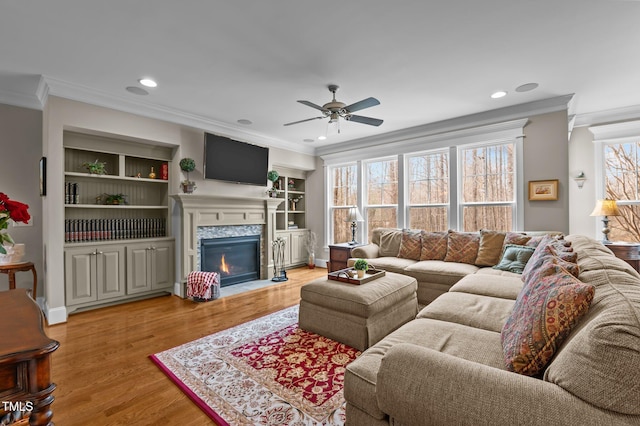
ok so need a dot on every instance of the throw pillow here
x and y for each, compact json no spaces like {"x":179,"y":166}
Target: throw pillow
{"x":515,"y":258}
{"x":517,"y":238}
{"x":543,"y":316}
{"x":390,"y":243}
{"x":491,"y":243}
{"x":462,"y":247}
{"x":410,"y":245}
{"x":434,"y":245}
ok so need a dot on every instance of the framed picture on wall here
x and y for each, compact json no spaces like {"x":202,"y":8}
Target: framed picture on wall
{"x":43,"y":176}
{"x":543,"y":190}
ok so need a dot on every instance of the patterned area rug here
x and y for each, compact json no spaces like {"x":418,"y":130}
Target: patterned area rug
{"x":264,"y":372}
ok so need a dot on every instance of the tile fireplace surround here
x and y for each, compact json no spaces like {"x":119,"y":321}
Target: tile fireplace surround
{"x":210,"y":211}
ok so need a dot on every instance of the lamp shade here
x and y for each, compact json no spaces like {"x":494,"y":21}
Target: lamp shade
{"x":606,"y":207}
{"x":354,"y":215}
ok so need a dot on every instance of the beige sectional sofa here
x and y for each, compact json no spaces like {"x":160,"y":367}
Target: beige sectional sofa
{"x":448,"y":366}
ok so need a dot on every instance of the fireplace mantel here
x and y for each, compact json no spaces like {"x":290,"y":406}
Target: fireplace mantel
{"x":213,"y":210}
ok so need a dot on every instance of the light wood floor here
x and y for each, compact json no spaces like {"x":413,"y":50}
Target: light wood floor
{"x":102,"y":369}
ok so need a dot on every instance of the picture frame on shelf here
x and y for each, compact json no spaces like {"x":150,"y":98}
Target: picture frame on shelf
{"x":543,"y":190}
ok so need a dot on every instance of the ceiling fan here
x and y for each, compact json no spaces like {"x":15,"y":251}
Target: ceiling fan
{"x":336,"y":109}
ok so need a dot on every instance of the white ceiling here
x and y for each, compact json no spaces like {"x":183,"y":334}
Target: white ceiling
{"x":220,"y":61}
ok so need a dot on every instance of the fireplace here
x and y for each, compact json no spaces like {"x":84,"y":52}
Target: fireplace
{"x":236,"y":259}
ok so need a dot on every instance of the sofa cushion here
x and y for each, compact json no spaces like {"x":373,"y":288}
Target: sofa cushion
{"x":438,"y":271}
{"x":391,"y":264}
{"x":485,"y":312}
{"x":505,"y":287}
{"x":606,"y":343}
{"x":517,"y":238}
{"x":515,"y":258}
{"x":543,"y":315}
{"x":445,"y":337}
{"x":410,"y":244}
{"x":462,"y":247}
{"x":390,"y":243}
{"x":434,"y":245}
{"x":491,"y":243}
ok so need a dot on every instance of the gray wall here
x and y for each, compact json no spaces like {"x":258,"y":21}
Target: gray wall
{"x":20,"y":153}
{"x":546,"y":157}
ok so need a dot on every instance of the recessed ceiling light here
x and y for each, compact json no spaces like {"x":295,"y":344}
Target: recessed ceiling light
{"x":137,"y":90}
{"x":148,"y":82}
{"x":245,"y":121}
{"x":321,"y":138}
{"x":527,"y":87}
{"x":498,"y":94}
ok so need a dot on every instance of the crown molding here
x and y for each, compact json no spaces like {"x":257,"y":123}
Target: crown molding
{"x":608,"y":116}
{"x":515,"y":112}
{"x":87,"y":95}
{"x":615,"y":131}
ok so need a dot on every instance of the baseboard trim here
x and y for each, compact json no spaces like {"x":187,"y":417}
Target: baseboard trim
{"x":55,"y":315}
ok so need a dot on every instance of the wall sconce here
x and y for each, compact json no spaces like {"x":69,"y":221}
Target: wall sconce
{"x":580,"y":179}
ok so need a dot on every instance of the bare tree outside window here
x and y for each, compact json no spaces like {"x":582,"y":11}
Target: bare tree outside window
{"x":622,"y":176}
{"x":344,"y":195}
{"x":488,"y":190}
{"x":428,"y":177}
{"x":382,"y":194}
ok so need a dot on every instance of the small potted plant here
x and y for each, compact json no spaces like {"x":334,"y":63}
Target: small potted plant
{"x":95,"y":167}
{"x":361,"y":266}
{"x":188,"y":165}
{"x":273,"y":177}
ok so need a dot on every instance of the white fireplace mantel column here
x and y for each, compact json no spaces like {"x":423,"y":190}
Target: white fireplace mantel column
{"x":213,"y":210}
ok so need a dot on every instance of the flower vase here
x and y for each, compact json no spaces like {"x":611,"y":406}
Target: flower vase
{"x":311,"y":263}
{"x":15,"y":253}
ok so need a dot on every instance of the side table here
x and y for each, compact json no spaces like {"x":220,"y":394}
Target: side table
{"x":629,"y":252}
{"x":11,"y":270}
{"x":339,"y":254}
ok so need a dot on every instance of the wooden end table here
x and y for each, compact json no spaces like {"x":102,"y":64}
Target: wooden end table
{"x":339,"y":254}
{"x":629,"y":252}
{"x":11,"y":270}
{"x":25,"y":364}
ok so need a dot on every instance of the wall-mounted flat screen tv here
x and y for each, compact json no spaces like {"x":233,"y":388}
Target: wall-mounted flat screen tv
{"x":234,"y":161}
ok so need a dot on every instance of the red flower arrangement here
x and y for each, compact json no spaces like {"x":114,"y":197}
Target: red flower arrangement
{"x":10,"y":210}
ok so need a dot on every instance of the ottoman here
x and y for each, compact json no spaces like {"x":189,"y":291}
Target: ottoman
{"x":358,"y":315}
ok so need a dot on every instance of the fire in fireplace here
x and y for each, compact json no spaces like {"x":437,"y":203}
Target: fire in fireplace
{"x":236,"y":259}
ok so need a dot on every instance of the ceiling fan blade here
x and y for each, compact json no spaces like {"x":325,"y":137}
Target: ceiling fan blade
{"x":365,"y":120}
{"x":312,"y":105}
{"x":302,"y":121}
{"x":365,"y":103}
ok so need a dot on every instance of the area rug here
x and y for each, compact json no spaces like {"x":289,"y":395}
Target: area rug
{"x":263,"y":372}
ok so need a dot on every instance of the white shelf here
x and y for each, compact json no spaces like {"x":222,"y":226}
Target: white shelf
{"x":116,"y":206}
{"x":119,"y":178}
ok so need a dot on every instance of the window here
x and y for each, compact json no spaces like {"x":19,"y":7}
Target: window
{"x":428,"y":180}
{"x":487,"y":198}
{"x":621,"y":183}
{"x":381,"y":204}
{"x":344,"y":195}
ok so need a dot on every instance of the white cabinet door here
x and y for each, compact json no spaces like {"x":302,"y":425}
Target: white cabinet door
{"x":80,"y":277}
{"x":110,"y":272}
{"x":298,"y":250}
{"x":138,"y":268}
{"x":162,"y":261}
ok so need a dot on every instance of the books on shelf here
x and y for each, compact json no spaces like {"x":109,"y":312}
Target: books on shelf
{"x":84,"y":230}
{"x":71,"y":193}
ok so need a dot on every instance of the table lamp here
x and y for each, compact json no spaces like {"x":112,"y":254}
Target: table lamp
{"x":354,"y":217}
{"x":606,"y":208}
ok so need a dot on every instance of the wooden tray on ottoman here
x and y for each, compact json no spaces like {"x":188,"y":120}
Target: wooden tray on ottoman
{"x":343,"y":275}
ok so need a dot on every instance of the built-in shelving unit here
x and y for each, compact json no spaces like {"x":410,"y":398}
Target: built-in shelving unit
{"x":291,"y":217}
{"x":118,"y":242}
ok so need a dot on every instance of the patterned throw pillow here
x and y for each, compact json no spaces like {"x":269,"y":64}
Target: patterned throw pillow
{"x":411,"y":244}
{"x":434,"y":245}
{"x":515,"y":258}
{"x":545,"y":252}
{"x":491,"y":243}
{"x":544,"y":314}
{"x":517,"y":238}
{"x":462,"y":247}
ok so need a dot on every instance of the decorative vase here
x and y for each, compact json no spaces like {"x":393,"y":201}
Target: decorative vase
{"x":15,"y":253}
{"x":361,"y":273}
{"x":188,"y":187}
{"x":311,"y":263}
{"x":152,"y":174}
